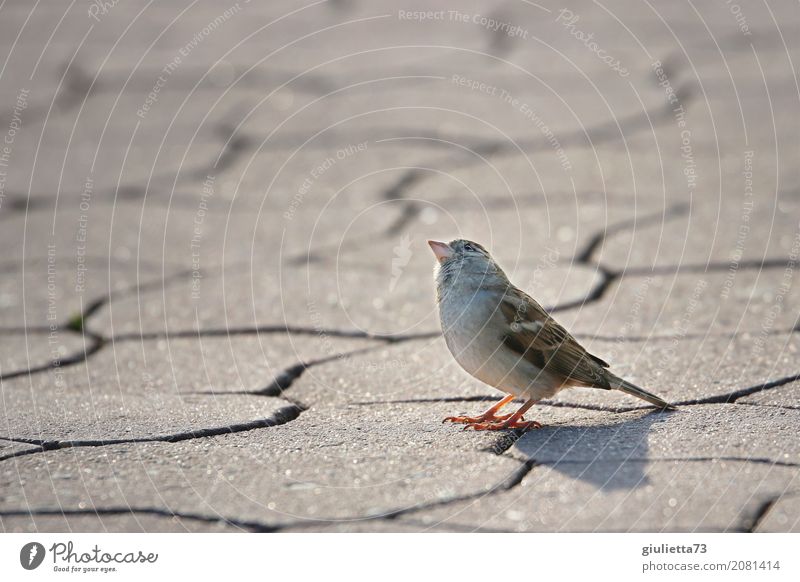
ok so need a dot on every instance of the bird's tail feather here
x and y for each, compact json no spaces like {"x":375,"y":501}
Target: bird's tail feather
{"x":625,"y":386}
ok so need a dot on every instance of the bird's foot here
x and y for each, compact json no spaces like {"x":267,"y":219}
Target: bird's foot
{"x":482,"y":419}
{"x":507,"y":424}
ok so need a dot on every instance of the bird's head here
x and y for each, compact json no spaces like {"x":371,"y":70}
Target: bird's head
{"x":465,"y":260}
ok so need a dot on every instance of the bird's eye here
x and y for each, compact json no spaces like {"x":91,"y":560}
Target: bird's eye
{"x":469,"y":247}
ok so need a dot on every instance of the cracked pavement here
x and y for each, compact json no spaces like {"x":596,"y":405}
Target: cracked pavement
{"x":217,"y":310}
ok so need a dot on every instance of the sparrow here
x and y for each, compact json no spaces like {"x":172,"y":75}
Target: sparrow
{"x":504,"y":338}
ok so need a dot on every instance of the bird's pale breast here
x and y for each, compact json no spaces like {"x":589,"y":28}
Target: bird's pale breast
{"x":473,"y":330}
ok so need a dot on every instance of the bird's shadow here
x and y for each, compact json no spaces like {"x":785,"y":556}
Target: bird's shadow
{"x":609,"y":456}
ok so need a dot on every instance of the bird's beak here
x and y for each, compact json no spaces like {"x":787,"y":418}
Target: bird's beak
{"x":441,"y":250}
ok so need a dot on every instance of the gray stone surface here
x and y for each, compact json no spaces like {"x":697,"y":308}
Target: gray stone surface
{"x":255,"y":329}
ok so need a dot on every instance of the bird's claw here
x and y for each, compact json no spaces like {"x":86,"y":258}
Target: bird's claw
{"x":519,"y":424}
{"x":468,"y":420}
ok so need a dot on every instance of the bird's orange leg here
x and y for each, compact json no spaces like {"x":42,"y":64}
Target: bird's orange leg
{"x":488,"y":416}
{"x":515,"y":421}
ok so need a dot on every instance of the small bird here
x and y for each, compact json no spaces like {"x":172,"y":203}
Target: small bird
{"x":504,"y":338}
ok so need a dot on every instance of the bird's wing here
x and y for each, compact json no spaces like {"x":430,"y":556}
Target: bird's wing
{"x":538,"y":338}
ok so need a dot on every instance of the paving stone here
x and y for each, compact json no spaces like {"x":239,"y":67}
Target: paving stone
{"x":783,"y":516}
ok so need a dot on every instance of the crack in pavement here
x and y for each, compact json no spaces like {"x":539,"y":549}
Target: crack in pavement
{"x":77,"y":324}
{"x":727,"y":398}
{"x":75,"y":86}
{"x":283,"y":415}
{"x":509,"y":483}
{"x":554,"y":404}
{"x":514,"y":479}
{"x":487,"y":147}
{"x":252,"y":526}
{"x":282,"y":381}
{"x":273,"y":329}
{"x":96,"y":343}
{"x":506,"y":484}
{"x":732,"y":397}
{"x":755,"y":460}
{"x":597,"y":134}
{"x":596,"y":241}
{"x":752,"y":523}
